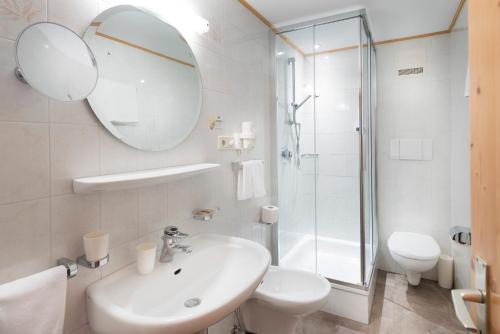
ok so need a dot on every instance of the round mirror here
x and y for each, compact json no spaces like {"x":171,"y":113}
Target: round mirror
{"x":55,"y":61}
{"x":148,"y":93}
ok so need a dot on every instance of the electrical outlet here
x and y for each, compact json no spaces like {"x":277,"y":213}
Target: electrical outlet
{"x":225,"y":142}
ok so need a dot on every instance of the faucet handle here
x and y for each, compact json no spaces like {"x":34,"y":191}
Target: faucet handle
{"x":173,"y":231}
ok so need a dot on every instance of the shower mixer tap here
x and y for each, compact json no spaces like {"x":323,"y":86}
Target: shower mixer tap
{"x":286,"y":154}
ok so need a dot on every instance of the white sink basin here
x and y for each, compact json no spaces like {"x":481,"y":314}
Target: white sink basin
{"x":221,"y":272}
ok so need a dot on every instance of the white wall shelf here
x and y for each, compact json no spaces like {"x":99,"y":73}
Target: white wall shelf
{"x":138,"y":179}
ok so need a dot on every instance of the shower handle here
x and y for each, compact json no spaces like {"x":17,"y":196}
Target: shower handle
{"x":309,"y":156}
{"x":286,"y":154}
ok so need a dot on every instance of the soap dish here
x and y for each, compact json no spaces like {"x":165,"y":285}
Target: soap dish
{"x":204,"y":214}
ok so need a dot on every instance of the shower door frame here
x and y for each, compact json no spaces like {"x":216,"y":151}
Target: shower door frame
{"x":364,"y":28}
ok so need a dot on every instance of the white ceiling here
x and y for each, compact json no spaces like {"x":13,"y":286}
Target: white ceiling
{"x":331,"y":36}
{"x":388,"y":19}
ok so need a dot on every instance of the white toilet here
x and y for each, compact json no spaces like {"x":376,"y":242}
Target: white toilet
{"x":414,"y":252}
{"x":282,"y":298}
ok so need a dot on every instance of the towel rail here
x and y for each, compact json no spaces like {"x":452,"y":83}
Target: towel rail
{"x":237,"y":165}
{"x":72,"y":266}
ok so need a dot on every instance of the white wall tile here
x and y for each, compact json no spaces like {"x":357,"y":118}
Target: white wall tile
{"x":18,"y":101}
{"x":74,"y":153}
{"x":24,"y":171}
{"x":119,"y":215}
{"x":75,"y":112}
{"x":152,"y":209}
{"x":180,"y":201}
{"x":17,"y":15}
{"x":116,"y":157}
{"x":74,"y":14}
{"x":120,"y":256}
{"x":25,"y":234}
{"x":71,"y":217}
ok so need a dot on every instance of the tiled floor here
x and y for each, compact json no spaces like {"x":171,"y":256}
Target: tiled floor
{"x":397,"y":309}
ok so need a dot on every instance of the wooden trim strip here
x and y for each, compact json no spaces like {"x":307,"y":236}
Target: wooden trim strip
{"x":292,"y":44}
{"x":258,"y":15}
{"x":457,"y":15}
{"x":262,"y":18}
{"x":332,"y":50}
{"x":394,"y":40}
{"x":95,"y":24}
{"x":407,"y":38}
{"x":118,"y":40}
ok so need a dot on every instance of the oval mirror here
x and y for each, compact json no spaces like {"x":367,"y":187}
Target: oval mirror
{"x":55,"y":61}
{"x":148,"y":93}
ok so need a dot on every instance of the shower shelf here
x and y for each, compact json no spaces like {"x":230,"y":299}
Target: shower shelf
{"x":139,"y":178}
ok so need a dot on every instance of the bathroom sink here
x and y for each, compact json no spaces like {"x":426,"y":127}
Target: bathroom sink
{"x":184,"y":296}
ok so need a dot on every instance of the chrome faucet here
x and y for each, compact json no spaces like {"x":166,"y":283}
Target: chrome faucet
{"x":172,"y":235}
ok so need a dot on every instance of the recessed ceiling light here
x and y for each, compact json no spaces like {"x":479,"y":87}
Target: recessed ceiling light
{"x":317,"y":46}
{"x":280,"y":53}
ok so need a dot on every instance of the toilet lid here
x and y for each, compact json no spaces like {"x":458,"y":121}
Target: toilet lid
{"x":414,"y":246}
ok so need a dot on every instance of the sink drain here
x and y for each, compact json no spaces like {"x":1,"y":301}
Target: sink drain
{"x":192,"y":302}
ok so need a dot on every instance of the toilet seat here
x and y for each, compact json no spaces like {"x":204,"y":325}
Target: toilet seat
{"x":284,"y":296}
{"x":414,"y":246}
{"x":293,"y":291}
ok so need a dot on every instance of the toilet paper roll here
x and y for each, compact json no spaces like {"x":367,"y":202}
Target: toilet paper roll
{"x":445,"y":271}
{"x":269,"y":214}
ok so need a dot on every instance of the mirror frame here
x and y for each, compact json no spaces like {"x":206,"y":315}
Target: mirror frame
{"x":181,"y":139}
{"x":18,"y":72}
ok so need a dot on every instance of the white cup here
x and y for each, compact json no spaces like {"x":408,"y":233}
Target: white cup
{"x":146,"y":257}
{"x":96,"y":245}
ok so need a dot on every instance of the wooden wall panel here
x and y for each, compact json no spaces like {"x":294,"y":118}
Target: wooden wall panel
{"x":484,"y":58}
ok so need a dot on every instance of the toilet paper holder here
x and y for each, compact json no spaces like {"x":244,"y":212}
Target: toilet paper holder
{"x":461,"y":234}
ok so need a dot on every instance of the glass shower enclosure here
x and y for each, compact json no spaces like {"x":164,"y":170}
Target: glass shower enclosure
{"x":325,"y":148}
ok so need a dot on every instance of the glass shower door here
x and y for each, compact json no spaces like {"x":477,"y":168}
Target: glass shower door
{"x":295,"y":145}
{"x":369,"y":225}
{"x":337,"y":73}
{"x":325,"y":103}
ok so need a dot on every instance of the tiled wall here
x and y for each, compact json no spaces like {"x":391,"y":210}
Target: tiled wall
{"x":44,"y":144}
{"x":414,"y":196}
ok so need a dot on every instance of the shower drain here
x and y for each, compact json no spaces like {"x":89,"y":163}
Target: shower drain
{"x":192,"y":302}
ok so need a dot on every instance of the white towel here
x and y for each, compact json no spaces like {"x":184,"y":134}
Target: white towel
{"x":245,"y":181}
{"x":259,"y":189}
{"x":251,"y":180}
{"x":34,"y":304}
